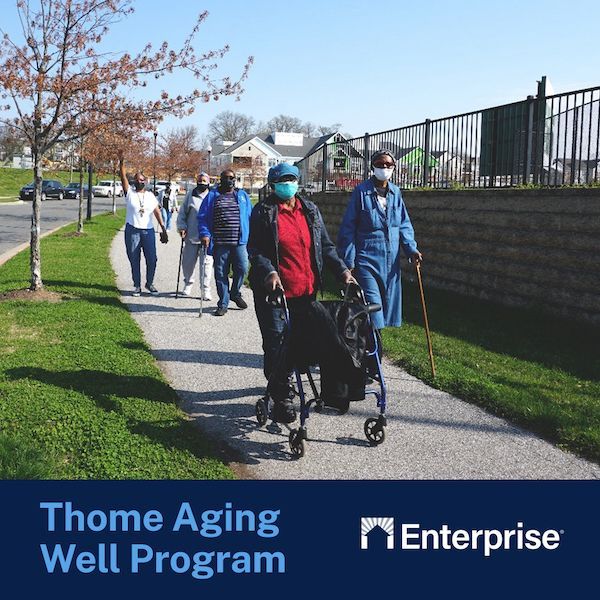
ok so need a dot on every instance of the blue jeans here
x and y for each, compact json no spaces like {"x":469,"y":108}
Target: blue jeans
{"x":166,"y":216}
{"x":225,"y":257}
{"x":137,"y":240}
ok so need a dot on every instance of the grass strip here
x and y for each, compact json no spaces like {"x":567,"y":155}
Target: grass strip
{"x":540,"y":372}
{"x":80,"y":391}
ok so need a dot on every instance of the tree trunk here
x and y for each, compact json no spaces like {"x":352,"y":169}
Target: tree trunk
{"x":80,"y":217}
{"x":35,"y":257}
{"x":114,"y":199}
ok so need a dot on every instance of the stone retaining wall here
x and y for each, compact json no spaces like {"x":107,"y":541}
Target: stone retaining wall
{"x":535,"y":248}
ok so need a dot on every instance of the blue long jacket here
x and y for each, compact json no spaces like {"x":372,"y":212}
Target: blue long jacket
{"x":207,"y":211}
{"x":370,"y":239}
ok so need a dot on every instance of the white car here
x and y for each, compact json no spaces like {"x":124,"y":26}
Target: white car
{"x":105,"y":188}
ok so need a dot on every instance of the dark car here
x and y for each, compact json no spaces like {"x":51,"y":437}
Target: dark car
{"x":72,"y":191}
{"x":50,"y":189}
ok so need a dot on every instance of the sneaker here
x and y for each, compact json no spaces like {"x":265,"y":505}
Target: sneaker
{"x":137,"y":291}
{"x":206,"y":295}
{"x":283,"y":411}
{"x":220,"y":311}
{"x":239,"y":302}
{"x":152,"y":289}
{"x":187,"y":290}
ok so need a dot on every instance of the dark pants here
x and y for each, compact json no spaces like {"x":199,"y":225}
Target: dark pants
{"x":225,"y":258}
{"x":284,"y":348}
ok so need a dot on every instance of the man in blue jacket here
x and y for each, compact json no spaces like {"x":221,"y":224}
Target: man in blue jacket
{"x":223,"y":227}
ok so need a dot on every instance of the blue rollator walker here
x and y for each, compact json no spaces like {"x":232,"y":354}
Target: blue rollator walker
{"x":374,"y":427}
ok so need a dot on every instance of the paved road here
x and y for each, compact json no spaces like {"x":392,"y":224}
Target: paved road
{"x":214,"y":363}
{"x":15,"y":219}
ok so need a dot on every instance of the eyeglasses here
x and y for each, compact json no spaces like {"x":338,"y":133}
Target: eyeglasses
{"x":381,"y":165}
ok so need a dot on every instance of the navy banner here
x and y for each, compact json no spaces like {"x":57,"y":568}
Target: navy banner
{"x":299,"y":539}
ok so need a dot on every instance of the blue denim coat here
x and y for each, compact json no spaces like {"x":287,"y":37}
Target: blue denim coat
{"x":369,"y":241}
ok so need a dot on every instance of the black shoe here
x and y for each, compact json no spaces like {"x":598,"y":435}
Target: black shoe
{"x":220,"y":311}
{"x":152,"y":289}
{"x":283,"y":411}
{"x":239,"y":302}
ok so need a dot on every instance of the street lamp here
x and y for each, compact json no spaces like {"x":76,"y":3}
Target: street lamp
{"x":154,"y":161}
{"x":208,"y":151}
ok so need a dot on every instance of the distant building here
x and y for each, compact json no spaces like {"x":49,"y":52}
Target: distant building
{"x":253,"y":156}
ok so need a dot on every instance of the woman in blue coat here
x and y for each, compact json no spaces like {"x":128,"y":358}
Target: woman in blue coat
{"x":375,"y":227}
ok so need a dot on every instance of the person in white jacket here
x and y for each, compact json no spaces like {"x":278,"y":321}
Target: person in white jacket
{"x":187,"y":226}
{"x":167,"y":200}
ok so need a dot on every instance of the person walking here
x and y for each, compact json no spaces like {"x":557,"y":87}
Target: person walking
{"x":167,"y":200}
{"x":187,"y":226}
{"x":139,"y":229}
{"x":375,"y":227}
{"x":288,"y":247}
{"x":223,"y":226}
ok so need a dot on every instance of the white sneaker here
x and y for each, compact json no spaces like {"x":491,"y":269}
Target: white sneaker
{"x":206,"y":295}
{"x":187,"y":290}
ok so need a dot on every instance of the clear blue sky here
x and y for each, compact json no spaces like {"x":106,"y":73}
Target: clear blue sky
{"x":377,"y":65}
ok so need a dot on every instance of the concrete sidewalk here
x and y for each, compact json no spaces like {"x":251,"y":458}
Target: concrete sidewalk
{"x":215,"y":364}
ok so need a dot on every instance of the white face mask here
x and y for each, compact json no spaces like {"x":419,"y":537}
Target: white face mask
{"x":383,"y":174}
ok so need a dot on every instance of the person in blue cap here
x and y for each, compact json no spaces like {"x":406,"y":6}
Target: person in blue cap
{"x":375,"y":228}
{"x":223,"y":226}
{"x":288,"y":248}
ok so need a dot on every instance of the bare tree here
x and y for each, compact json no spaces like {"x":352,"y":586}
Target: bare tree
{"x":62,"y":86}
{"x":230,"y":126}
{"x":284,"y":123}
{"x":11,"y":142}
{"x":180,"y":153}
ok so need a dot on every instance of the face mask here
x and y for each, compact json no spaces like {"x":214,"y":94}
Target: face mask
{"x":139,"y":185}
{"x":383,"y":174}
{"x":286,"y":189}
{"x":227,"y":183}
{"x":202,"y":187}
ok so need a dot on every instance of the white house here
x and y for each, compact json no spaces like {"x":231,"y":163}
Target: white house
{"x":253,"y":156}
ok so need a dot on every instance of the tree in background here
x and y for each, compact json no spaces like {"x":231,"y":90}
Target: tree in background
{"x":179,"y":153}
{"x":11,"y":142}
{"x":230,"y":126}
{"x":63,"y":86}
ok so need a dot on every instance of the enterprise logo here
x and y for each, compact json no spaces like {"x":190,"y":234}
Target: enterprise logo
{"x":379,"y":532}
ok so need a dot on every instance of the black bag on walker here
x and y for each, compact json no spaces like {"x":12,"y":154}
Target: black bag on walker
{"x":343,"y":329}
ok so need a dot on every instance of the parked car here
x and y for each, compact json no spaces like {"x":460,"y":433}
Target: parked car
{"x":105,"y":188}
{"x":50,"y":189}
{"x":72,"y":191}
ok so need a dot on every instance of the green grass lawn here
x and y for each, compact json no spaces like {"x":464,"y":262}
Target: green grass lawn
{"x":12,"y":180}
{"x":81,"y":395}
{"x":540,"y":372}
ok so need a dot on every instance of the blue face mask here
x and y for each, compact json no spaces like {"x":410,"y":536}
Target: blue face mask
{"x":286,"y":189}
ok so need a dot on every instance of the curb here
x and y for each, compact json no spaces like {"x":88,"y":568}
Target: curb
{"x":14,"y":251}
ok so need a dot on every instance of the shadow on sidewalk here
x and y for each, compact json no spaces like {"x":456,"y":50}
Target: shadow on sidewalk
{"x":211,"y":357}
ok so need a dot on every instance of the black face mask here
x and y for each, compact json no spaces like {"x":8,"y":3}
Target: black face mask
{"x":202,"y":187}
{"x":227,"y":183}
{"x":139,"y":185}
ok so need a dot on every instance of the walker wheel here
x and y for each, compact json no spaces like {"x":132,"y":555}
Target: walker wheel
{"x":374,"y":431}
{"x":261,"y":412}
{"x":296,"y":444}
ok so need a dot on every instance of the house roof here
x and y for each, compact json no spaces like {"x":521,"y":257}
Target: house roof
{"x":310,"y":144}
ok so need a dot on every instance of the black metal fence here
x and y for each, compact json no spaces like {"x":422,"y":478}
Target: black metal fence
{"x":544,"y":140}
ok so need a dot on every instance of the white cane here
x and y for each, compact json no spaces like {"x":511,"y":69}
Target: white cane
{"x":201,"y":282}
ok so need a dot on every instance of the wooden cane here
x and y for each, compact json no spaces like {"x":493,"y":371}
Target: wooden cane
{"x":427,"y":333}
